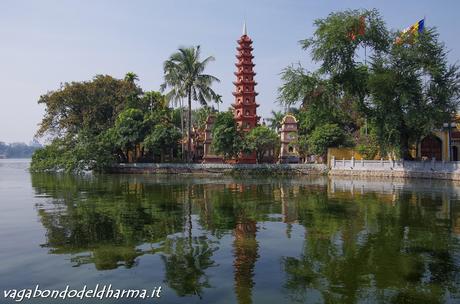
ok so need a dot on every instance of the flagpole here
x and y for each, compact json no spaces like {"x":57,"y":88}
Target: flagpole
{"x":365,"y":55}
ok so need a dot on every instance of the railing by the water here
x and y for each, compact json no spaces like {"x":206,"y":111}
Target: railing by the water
{"x":395,"y":165}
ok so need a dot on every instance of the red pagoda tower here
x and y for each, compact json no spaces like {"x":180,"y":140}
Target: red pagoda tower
{"x":245,"y":106}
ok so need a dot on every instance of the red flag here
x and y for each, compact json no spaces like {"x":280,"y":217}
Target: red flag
{"x":362,"y":26}
{"x":360,"y":30}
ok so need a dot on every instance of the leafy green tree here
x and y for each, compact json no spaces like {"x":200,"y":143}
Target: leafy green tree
{"x":199,"y":116}
{"x":404,"y":90}
{"x":368,"y":145}
{"x":321,"y":104}
{"x":150,"y":101}
{"x":130,"y":130}
{"x":184,"y":74}
{"x":96,"y":123}
{"x":326,"y":136}
{"x":413,"y":91}
{"x":261,"y":139}
{"x":79,"y":120}
{"x":92,"y":105}
{"x":163,"y":139}
{"x":227,"y":140}
{"x":336,"y":92}
{"x":47,"y":158}
{"x":334,"y":47}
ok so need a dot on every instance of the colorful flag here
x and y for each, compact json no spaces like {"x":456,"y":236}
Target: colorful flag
{"x":411,"y":33}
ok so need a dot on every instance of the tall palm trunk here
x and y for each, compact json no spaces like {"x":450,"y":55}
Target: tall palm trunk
{"x":189,"y":143}
{"x":182,"y":129}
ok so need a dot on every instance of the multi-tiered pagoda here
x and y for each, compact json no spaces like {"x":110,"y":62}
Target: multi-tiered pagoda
{"x":245,"y":106}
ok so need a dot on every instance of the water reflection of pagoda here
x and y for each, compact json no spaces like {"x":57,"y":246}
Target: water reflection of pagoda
{"x":245,"y":248}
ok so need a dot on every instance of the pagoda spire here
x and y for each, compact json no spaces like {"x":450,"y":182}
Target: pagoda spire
{"x":245,"y":106}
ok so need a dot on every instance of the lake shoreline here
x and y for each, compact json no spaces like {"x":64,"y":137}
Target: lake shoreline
{"x":219,"y":169}
{"x":428,"y":172}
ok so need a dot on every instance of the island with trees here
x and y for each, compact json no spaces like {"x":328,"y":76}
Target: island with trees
{"x":378,"y":90}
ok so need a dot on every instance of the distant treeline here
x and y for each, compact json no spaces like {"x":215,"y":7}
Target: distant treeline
{"x":17,"y":150}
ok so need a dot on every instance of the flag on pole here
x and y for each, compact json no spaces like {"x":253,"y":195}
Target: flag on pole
{"x":410,"y":34}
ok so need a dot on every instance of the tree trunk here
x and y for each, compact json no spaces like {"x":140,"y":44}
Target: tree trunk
{"x":189,"y":142}
{"x":404,"y":146}
{"x":182,"y":129}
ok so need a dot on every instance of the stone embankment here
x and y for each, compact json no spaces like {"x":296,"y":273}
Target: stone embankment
{"x":353,"y":168}
{"x":219,"y":169}
{"x":431,"y":169}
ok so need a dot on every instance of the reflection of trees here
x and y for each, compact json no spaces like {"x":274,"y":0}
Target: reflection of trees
{"x":357,"y":249}
{"x":187,"y":258}
{"x":186,"y":261}
{"x":239,"y":207}
{"x":222,"y":205}
{"x":108,"y":218}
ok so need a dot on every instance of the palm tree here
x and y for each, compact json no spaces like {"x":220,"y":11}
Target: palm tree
{"x":276,"y":120}
{"x":218,"y":101}
{"x":131,"y":77}
{"x":184,"y":75}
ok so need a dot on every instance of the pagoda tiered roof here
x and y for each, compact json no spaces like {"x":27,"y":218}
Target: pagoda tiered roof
{"x":252,"y":73}
{"x":239,"y":64}
{"x":240,"y":56}
{"x":245,"y":39}
{"x":243,"y":82}
{"x":246,"y":48}
{"x":245,"y":106}
{"x":242,"y":105}
{"x":247,"y":93}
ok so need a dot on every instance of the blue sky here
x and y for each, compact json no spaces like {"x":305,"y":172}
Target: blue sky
{"x":45,"y":43}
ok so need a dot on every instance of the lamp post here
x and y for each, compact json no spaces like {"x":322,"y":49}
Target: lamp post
{"x":449,"y":127}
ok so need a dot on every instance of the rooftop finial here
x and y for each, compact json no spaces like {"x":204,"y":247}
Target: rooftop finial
{"x":245,"y":31}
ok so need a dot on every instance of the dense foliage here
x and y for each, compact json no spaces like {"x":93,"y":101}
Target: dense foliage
{"x":93,"y":124}
{"x":227,"y":140}
{"x":326,"y":136}
{"x":398,"y":92}
{"x":261,"y":139}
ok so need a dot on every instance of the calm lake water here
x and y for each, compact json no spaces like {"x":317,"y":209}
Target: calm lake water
{"x":225,"y":240}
